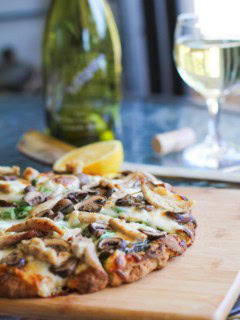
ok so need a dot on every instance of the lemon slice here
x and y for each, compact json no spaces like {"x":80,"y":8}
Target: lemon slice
{"x":96,"y":158}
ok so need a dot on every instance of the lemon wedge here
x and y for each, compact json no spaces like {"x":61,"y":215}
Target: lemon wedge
{"x":96,"y":158}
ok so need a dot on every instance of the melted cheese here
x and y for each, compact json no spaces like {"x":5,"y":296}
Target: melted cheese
{"x":15,"y":187}
{"x":4,"y":253}
{"x":154,"y":219}
{"x":48,"y":184}
{"x":50,"y":284}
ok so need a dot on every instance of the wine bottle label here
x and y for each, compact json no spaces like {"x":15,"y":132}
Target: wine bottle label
{"x":86,"y":74}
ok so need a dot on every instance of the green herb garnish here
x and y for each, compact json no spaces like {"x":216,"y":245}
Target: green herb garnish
{"x":34,"y":182}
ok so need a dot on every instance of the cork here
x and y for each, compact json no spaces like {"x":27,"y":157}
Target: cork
{"x":173,"y":141}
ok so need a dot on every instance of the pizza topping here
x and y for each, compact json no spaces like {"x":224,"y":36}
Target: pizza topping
{"x":153,"y":234}
{"x":181,"y":217}
{"x":65,"y":180}
{"x":109,"y":243}
{"x":66,"y":269}
{"x":104,"y":188}
{"x":64,"y":206}
{"x":162,"y":198}
{"x":125,"y":229}
{"x":30,"y":174}
{"x":38,"y":224}
{"x":187,"y":235}
{"x":97,"y":228}
{"x":15,"y":258}
{"x":86,"y":248}
{"x":8,"y":178}
{"x":49,"y":204}
{"x":48,"y":213}
{"x":92,"y":204}
{"x":28,"y":189}
{"x":83,"y":179}
{"x":12,"y":239}
{"x":127,"y":201}
{"x":6,"y":204}
{"x":76,"y":197}
{"x":33,"y":197}
{"x":39,"y":250}
{"x":87,"y":218}
{"x":57,"y":243}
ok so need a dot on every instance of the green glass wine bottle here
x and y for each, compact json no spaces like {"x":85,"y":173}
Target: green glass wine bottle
{"x":82,"y":71}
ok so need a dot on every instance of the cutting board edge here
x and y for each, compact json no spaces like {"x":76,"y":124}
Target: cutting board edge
{"x":229,"y":300}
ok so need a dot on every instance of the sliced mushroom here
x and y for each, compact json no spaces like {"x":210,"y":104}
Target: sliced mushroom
{"x":102,"y":191}
{"x":127,"y":201}
{"x":28,"y":189}
{"x":76,"y":197}
{"x":126,"y":173}
{"x":57,"y":244}
{"x":153,"y":234}
{"x":48,"y":213}
{"x":66,"y":269}
{"x":49,"y":204}
{"x":106,"y":253}
{"x":92,"y":204}
{"x":64,"y":205}
{"x":182,"y":218}
{"x":7,"y":204}
{"x":105,"y":188}
{"x":97,"y":228}
{"x":109,"y":243}
{"x":38,"y":224}
{"x":15,"y":258}
{"x":12,"y":239}
{"x":51,"y":215}
{"x":33,"y":198}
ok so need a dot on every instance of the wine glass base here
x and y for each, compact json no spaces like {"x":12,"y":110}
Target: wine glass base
{"x":212,"y":156}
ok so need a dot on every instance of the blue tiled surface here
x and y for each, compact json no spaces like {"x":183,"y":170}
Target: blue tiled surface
{"x":141,"y":121}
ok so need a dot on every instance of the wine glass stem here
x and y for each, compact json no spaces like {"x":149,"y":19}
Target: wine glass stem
{"x":213,"y":135}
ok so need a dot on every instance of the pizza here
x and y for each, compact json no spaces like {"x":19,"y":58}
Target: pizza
{"x":71,"y":232}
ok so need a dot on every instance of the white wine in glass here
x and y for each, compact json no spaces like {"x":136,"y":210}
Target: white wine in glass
{"x":211,"y":67}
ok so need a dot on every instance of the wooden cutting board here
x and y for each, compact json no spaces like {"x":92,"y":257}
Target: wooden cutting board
{"x":202,"y":284}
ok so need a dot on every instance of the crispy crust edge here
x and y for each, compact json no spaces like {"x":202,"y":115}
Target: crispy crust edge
{"x":155,"y":258}
{"x":13,"y":284}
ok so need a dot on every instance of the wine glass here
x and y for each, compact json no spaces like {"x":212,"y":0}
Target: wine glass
{"x":211,"y":66}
